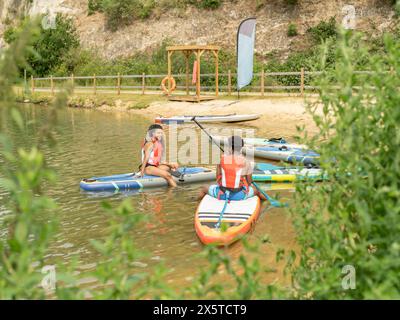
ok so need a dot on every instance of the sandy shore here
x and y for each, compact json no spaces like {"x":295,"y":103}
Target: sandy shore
{"x":279,"y":116}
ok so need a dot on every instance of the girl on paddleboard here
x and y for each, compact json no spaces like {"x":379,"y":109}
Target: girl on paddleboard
{"x":234,"y":174}
{"x":153,"y":155}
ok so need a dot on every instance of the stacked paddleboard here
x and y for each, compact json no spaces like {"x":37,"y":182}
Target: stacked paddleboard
{"x":281,"y":174}
{"x":284,"y":153}
{"x":276,"y":149}
{"x":261,"y":142}
{"x":228,"y":118}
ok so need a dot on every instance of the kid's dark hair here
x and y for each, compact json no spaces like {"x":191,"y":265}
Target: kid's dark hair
{"x":236,"y":143}
{"x":154,"y":126}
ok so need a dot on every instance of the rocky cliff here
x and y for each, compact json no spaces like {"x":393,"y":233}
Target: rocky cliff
{"x":199,"y":26}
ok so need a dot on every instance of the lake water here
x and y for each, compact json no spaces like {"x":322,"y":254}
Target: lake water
{"x":93,"y":143}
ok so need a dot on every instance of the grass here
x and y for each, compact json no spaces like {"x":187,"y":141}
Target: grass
{"x":133,"y":100}
{"x":79,"y":99}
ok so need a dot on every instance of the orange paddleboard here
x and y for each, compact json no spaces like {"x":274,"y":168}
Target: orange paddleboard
{"x":239,"y":218}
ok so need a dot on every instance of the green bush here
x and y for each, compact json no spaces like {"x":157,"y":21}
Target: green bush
{"x":146,"y":9}
{"x":10,"y":35}
{"x":292,"y":30}
{"x":397,"y":8}
{"x":306,"y":59}
{"x":51,"y":46}
{"x":352,"y":223}
{"x":94,"y":6}
{"x":323,"y":30}
{"x":119,"y":12}
{"x":210,"y":4}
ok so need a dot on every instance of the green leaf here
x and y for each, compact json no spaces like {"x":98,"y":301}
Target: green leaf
{"x":21,"y":232}
{"x":16,"y":116}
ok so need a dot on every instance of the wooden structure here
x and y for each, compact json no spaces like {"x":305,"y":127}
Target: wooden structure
{"x":198,"y":51}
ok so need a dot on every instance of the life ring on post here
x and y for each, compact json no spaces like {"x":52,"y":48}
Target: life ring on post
{"x":164,"y":85}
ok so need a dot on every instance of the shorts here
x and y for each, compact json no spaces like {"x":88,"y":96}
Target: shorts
{"x":147,"y":165}
{"x":214,"y":190}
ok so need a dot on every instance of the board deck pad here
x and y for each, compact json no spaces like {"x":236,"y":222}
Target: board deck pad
{"x":236,"y":212}
{"x":239,"y":218}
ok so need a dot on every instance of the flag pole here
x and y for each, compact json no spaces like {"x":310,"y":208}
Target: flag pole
{"x":245,"y":49}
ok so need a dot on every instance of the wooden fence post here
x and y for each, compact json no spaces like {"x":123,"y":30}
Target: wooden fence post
{"x":143,"y":82}
{"x":94,"y":83}
{"x":229,"y":82}
{"x":52,"y":85}
{"x":262,"y":82}
{"x":32,"y":84}
{"x":119,"y":84}
{"x":72,"y":81}
{"x":302,"y":82}
{"x":25,"y":82}
{"x":216,"y":74}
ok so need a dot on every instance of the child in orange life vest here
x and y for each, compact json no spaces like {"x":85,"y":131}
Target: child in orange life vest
{"x":234,"y":174}
{"x":153,"y":150}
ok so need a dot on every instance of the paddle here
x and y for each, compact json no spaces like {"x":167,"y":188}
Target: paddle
{"x":211,"y":138}
{"x":273,"y":202}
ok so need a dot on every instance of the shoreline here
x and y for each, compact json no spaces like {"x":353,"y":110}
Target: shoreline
{"x":278,"y":113}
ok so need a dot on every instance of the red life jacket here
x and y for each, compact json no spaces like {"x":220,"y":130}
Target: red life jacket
{"x":155,"y":154}
{"x":231,"y":176}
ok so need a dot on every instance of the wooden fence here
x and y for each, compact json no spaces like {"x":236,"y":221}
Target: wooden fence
{"x":296,"y":81}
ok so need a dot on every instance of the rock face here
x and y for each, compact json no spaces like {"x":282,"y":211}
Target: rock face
{"x":193,"y":26}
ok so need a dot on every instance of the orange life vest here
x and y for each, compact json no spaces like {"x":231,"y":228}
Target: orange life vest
{"x":231,"y":176}
{"x":155,"y":154}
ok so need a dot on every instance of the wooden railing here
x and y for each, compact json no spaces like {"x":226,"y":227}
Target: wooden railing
{"x":150,"y":83}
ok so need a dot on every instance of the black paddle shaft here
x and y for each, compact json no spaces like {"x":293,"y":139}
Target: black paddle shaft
{"x":272,"y":201}
{"x":201,"y":127}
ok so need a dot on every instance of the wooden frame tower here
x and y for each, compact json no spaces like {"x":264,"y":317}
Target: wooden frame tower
{"x":187,"y":51}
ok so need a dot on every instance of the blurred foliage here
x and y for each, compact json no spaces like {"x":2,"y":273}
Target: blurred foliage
{"x":354,"y":220}
{"x":241,"y":278}
{"x":22,"y":174}
{"x":50,"y":45}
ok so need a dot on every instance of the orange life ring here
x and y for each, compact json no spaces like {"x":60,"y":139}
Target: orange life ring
{"x":164,"y":87}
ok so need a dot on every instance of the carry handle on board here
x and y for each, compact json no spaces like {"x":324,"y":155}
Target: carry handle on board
{"x":274,"y":203}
